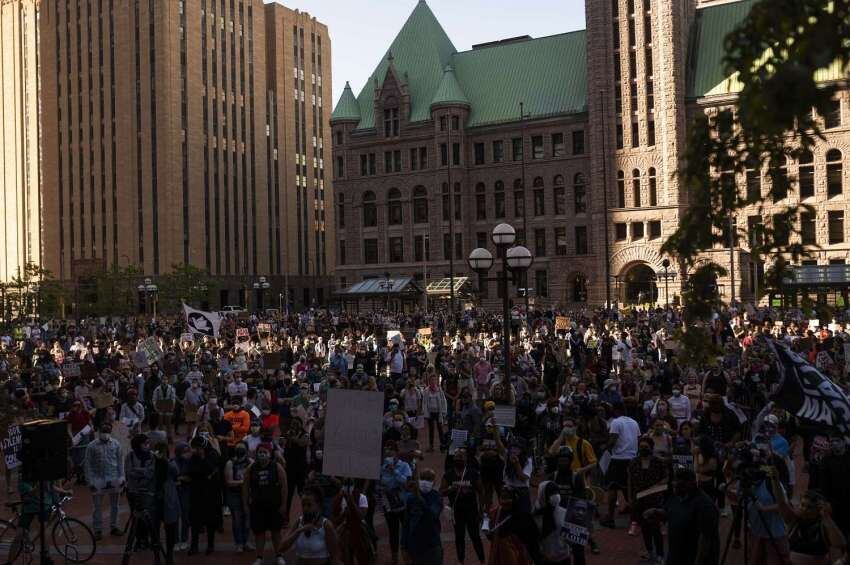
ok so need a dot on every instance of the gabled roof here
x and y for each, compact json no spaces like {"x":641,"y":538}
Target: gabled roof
{"x":547,"y":74}
{"x":449,"y":91}
{"x":707,"y":73}
{"x":347,"y":107}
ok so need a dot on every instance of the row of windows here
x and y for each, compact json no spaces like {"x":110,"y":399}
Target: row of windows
{"x":808,"y":230}
{"x":651,"y":229}
{"x":636,"y":191}
{"x":805,"y":180}
{"x":557,"y":148}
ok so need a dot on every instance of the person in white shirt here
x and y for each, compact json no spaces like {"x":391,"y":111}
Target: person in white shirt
{"x":237,"y":388}
{"x":623,"y":434}
{"x":680,"y":405}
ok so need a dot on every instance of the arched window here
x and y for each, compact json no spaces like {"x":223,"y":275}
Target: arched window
{"x":636,"y":187}
{"x":499,"y":199}
{"x":753,"y":179}
{"x":538,"y":197}
{"x":580,"y":193}
{"x":391,"y":121}
{"x":834,"y":182}
{"x":480,"y":201}
{"x":519,"y":199}
{"x":370,"y":211}
{"x":446,"y":201}
{"x":394,"y":215}
{"x":621,"y":189}
{"x":806,"y":174}
{"x":559,"y":195}
{"x":579,"y":284}
{"x":653,"y":187}
{"x":420,"y":205}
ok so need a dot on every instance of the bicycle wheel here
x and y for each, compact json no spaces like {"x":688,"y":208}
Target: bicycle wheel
{"x":10,"y":545}
{"x":73,"y":540}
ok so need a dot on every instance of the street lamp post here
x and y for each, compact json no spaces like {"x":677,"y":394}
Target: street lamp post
{"x":666,"y":264}
{"x":149,"y":290}
{"x":387,"y":284}
{"x":514,"y":258}
{"x":260,"y":289}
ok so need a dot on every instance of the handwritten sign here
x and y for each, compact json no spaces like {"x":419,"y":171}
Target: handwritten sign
{"x":424,"y":331}
{"x":71,"y":369}
{"x":353,"y":434}
{"x":562,"y":323}
{"x":11,"y":445}
{"x":242,"y":333}
{"x":264,"y":328}
{"x":504,"y":416}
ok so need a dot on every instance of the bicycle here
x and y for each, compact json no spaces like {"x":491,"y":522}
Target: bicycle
{"x":71,"y":538}
{"x":139,"y":511}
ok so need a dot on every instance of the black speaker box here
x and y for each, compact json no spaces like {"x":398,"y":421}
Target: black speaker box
{"x":44,"y":450}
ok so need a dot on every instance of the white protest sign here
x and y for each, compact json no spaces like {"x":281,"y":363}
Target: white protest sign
{"x":12,"y":446}
{"x":505,"y":416}
{"x":353,"y":428}
{"x":150,"y":347}
{"x":577,"y":521}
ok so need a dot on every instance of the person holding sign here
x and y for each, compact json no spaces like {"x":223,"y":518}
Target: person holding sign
{"x":461,"y":485}
{"x":550,"y":517}
{"x":647,"y":483}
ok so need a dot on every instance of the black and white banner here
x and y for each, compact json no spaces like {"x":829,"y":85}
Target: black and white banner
{"x":202,"y":323}
{"x":809,"y":394}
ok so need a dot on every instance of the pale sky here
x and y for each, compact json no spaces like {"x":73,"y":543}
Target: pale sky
{"x":362,"y":30}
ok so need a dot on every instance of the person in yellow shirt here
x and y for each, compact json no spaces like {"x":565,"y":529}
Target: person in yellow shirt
{"x":239,"y":420}
{"x":585,"y":457}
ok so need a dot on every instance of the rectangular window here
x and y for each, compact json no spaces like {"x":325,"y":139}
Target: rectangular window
{"x":620,"y":232}
{"x":364,"y":165}
{"x":413,"y":159}
{"x":423,"y":158}
{"x":832,"y":117}
{"x":807,"y":229}
{"x":499,"y":205}
{"x":833,"y":179}
{"x":560,"y":241}
{"x":650,"y":133}
{"x":541,"y":283}
{"x":498,"y":151}
{"x":807,"y":180}
{"x":755,"y":233}
{"x":540,"y":242}
{"x":422,"y":248}
{"x":455,"y":123}
{"x":581,"y":240}
{"x":539,"y":202}
{"x":480,"y":206}
{"x":635,"y":134}
{"x":340,"y":167}
{"x":397,"y":161}
{"x":444,"y":155}
{"x":481,"y":239}
{"x":519,"y":203}
{"x":654,"y":229}
{"x":341,"y":258}
{"x":578,"y":142}
{"x":516,"y":144}
{"x":781,"y":231}
{"x":637,"y":230}
{"x":560,"y":198}
{"x":537,"y":147}
{"x":455,"y":153}
{"x":753,"y":184}
{"x":458,"y":246}
{"x":619,"y":136}
{"x":447,"y":246}
{"x":388,"y":161}
{"x":557,"y":145}
{"x":373,"y":167}
{"x":396,"y":246}
{"x":370,"y":251}
{"x":835,"y":220}
{"x":479,"y":153}
{"x":442,"y":123}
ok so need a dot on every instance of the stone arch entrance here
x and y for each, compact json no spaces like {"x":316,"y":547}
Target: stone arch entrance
{"x":639,"y":284}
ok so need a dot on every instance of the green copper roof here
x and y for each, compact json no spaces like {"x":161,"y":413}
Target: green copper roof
{"x":347,"y":107}
{"x":708,"y":76}
{"x":547,"y":74}
{"x":449,"y":91}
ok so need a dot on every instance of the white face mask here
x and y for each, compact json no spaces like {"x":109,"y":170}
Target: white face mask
{"x":555,"y":499}
{"x":426,"y":486}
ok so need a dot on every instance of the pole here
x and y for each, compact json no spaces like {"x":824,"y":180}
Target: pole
{"x":506,"y":315}
{"x":449,"y":156}
{"x":731,"y":260}
{"x":605,"y":204}
{"x":425,"y":245}
{"x":45,"y":558}
{"x":666,"y":289}
{"x":524,"y":213}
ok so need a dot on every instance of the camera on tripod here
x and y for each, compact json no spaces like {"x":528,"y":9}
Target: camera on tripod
{"x":750,"y":463}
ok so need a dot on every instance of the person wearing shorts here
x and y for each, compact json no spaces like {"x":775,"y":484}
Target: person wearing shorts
{"x":623,"y":434}
{"x":264,"y":493}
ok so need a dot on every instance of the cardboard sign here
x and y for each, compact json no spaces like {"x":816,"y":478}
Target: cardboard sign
{"x":71,"y":370}
{"x":562,"y":323}
{"x":424,"y":331}
{"x":353,"y":434}
{"x":264,"y":328}
{"x":577,"y":521}
{"x":242,"y":333}
{"x":11,"y":445}
{"x":150,"y":347}
{"x":103,"y":400}
{"x":504,"y":416}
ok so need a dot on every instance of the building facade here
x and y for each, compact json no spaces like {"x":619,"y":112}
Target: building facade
{"x":188,"y":132}
{"x":20,"y":133}
{"x":574,"y":139}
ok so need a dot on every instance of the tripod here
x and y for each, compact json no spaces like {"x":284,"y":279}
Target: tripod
{"x":140,"y":518}
{"x":745,"y":499}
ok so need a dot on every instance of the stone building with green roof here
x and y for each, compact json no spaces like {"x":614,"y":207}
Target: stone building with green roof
{"x":574,"y":139}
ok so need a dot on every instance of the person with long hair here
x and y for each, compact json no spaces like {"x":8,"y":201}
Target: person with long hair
{"x":314,"y":537}
{"x":513,"y":533}
{"x":550,"y":517}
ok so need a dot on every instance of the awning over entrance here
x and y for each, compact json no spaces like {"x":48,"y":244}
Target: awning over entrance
{"x":442,"y":287}
{"x":395,"y":287}
{"x":813,"y":276}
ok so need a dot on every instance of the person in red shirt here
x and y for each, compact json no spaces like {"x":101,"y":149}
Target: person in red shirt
{"x":270,"y":421}
{"x":77,"y":418}
{"x":239,"y":419}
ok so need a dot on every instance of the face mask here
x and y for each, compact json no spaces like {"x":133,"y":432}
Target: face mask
{"x":263,"y":457}
{"x":389,"y":460}
{"x":426,"y":486}
{"x":555,"y":500}
{"x":570,"y":431}
{"x":676,"y":393}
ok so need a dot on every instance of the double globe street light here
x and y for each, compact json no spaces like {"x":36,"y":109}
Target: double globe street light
{"x":515,"y":258}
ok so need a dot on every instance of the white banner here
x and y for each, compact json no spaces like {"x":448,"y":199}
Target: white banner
{"x":202,"y":323}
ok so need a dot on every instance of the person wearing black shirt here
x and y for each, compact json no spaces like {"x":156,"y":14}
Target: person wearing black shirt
{"x":569,"y":485}
{"x":461,"y":486}
{"x":692,"y":523}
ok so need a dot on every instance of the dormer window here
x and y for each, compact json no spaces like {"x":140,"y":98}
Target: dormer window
{"x":391,"y":124}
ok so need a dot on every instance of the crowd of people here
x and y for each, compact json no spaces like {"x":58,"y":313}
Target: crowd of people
{"x":602,"y":421}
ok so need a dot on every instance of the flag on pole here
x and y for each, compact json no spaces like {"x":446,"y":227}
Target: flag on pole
{"x":808,"y":394}
{"x":202,"y":323}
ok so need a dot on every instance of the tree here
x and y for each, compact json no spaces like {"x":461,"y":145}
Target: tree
{"x":116,"y":290}
{"x":185,"y":283}
{"x":775,"y":53}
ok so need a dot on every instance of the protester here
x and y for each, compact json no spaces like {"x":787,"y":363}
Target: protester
{"x":264,"y":492}
{"x":104,"y":469}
